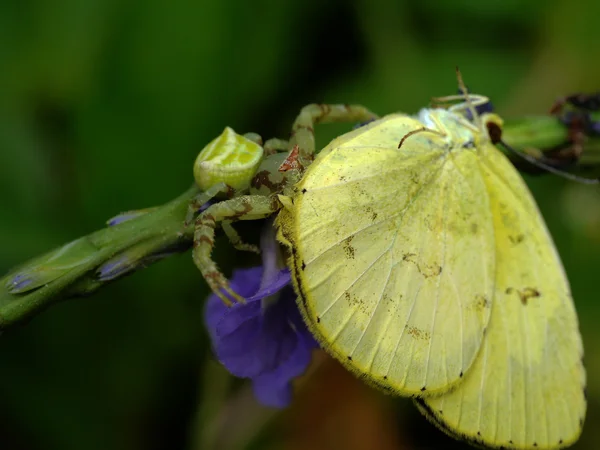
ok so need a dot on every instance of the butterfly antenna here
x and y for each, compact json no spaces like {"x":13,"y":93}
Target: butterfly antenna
{"x":465,"y":92}
{"x":536,"y":162}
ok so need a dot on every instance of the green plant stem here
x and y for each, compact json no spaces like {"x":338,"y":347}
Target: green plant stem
{"x":546,"y":133}
{"x":165,"y":224}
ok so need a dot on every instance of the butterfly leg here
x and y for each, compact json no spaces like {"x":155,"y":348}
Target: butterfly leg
{"x":247,"y":207}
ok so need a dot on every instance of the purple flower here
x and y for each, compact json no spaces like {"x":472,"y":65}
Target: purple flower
{"x":265,"y":338}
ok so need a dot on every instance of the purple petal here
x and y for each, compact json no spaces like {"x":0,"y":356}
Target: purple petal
{"x":246,"y":281}
{"x":278,"y":282}
{"x":213,"y":313}
{"x":264,"y":339}
{"x":274,"y":388}
{"x":252,"y":340}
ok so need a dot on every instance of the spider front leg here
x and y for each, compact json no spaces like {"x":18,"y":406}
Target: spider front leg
{"x":275,"y":145}
{"x":204,"y":197}
{"x":247,"y":207}
{"x":303,"y":134}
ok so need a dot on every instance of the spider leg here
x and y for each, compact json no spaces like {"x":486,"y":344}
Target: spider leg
{"x":275,"y":145}
{"x":247,"y":207}
{"x":303,"y":134}
{"x":202,"y":198}
{"x":236,"y":240}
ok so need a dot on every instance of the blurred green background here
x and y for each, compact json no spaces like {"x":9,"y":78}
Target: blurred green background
{"x":104,"y":105}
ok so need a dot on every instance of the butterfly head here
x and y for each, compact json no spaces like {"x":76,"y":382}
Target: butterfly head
{"x":460,"y":121}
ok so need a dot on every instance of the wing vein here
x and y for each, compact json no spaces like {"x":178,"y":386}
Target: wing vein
{"x":371,"y":318}
{"x":355,"y":281}
{"x":437,"y":296}
{"x":399,"y":213}
{"x":376,"y":174}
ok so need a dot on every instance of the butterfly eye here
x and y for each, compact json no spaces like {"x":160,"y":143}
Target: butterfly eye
{"x":230,"y":158}
{"x":493,"y":123}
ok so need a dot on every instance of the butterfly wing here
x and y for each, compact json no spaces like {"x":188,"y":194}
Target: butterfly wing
{"x":526,"y":388}
{"x":393,"y":255}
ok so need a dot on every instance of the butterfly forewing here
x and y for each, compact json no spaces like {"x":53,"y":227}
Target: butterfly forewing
{"x":394,"y":256}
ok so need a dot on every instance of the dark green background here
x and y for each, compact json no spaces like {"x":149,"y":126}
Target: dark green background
{"x":104,"y":105}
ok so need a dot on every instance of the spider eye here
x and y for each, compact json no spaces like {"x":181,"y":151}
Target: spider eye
{"x":230,"y":158}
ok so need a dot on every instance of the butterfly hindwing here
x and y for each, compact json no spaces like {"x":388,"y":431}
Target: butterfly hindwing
{"x":526,"y":388}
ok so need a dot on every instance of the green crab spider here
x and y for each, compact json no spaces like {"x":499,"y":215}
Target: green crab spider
{"x":251,"y":179}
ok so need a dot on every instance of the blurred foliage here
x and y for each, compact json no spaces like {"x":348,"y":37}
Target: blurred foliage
{"x":103,"y":107}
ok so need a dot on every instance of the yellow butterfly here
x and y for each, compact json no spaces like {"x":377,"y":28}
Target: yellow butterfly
{"x":427,"y":269}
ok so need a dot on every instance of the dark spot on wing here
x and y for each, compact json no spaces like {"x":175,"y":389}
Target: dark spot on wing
{"x":303,"y":190}
{"x":528,"y":293}
{"x":349,"y":358}
{"x":516,"y":239}
{"x":418,"y":333}
{"x":303,"y":265}
{"x":427,"y":270}
{"x":481,"y":302}
{"x":460,"y":375}
{"x":423,"y":388}
{"x":525,"y":294}
{"x":369,"y":210}
{"x":348,"y":249}
{"x":535,"y":444}
{"x":385,"y":377}
{"x":357,"y":303}
{"x":414,"y":177}
{"x":478,"y":433}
